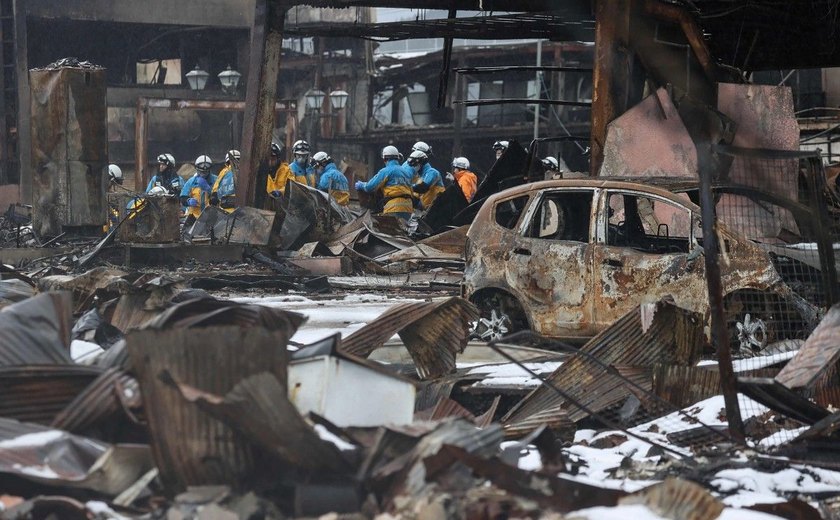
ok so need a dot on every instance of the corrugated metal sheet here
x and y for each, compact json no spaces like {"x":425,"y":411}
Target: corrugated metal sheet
{"x":673,"y":336}
{"x":258,"y":407}
{"x":99,"y":400}
{"x":682,"y":385}
{"x":819,"y":353}
{"x":36,"y":331}
{"x":37,"y":393}
{"x":433,"y":333}
{"x":189,"y":446}
{"x":677,"y":498}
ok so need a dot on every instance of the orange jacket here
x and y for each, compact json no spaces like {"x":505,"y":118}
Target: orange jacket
{"x":468,"y":182}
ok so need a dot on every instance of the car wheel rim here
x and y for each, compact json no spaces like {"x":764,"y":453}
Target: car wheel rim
{"x":752,"y":334}
{"x":494,"y":327}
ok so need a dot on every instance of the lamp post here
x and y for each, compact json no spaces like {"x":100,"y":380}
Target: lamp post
{"x":229,"y":79}
{"x":197,"y":78}
{"x":314,"y":100}
{"x":338,"y":99}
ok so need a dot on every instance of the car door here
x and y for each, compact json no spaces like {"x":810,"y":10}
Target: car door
{"x":645,"y":250}
{"x":547,"y":265}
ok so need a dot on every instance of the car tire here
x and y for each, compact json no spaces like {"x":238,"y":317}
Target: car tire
{"x":499,"y":315}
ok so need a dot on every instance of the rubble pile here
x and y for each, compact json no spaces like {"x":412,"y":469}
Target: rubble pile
{"x":162,"y":401}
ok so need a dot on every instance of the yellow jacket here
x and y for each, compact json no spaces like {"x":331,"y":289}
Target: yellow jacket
{"x":277,"y":182}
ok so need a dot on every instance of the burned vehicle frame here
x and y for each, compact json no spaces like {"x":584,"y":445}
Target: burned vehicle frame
{"x":567,"y":258}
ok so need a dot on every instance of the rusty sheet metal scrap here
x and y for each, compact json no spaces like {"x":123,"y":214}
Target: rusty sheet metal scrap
{"x":548,"y":491}
{"x":37,"y":393}
{"x":677,"y":498}
{"x":112,"y":391}
{"x":433,"y":333}
{"x":40,"y":454}
{"x":202,"y":312}
{"x":259,"y":408}
{"x":36,"y":331}
{"x":189,"y":446}
{"x":672,"y":336}
{"x":820,"y":352}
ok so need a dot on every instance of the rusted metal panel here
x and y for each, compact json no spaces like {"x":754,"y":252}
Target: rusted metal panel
{"x":452,"y":241}
{"x":677,"y":498}
{"x":148,"y":219}
{"x":663,"y":333}
{"x":775,"y":396}
{"x":433,"y":333}
{"x":69,"y":148}
{"x":259,"y":408}
{"x":99,"y":400}
{"x":819,"y":353}
{"x":37,"y":393}
{"x":189,"y":446}
{"x":649,"y":139}
{"x":243,"y":226}
{"x":685,"y":385}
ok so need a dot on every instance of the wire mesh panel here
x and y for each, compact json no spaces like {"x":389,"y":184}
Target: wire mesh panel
{"x":774,"y":202}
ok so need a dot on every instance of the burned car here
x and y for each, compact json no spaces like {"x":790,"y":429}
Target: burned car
{"x":567,"y":258}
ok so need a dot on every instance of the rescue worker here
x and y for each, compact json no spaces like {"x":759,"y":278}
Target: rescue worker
{"x":500,"y":147}
{"x":276,"y":183}
{"x":115,"y":176}
{"x":166,"y":177}
{"x":466,"y":179}
{"x":421,"y":147}
{"x":195,"y":194}
{"x":223,"y":193}
{"x":395,"y":183}
{"x":302,"y":171}
{"x":330,"y":178}
{"x":428,"y":182}
{"x":552,"y":168}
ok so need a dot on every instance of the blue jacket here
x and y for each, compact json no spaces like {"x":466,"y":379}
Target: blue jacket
{"x":332,"y":179}
{"x":430,"y":176}
{"x":303,"y":175}
{"x":172,"y":185}
{"x":391,"y":176}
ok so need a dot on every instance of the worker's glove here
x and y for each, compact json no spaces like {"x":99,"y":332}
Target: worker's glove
{"x":420,"y":187}
{"x":276,"y":194}
{"x":191,"y":202}
{"x":360,"y":186}
{"x":448,"y":179}
{"x":214,"y":199}
{"x":201,"y":182}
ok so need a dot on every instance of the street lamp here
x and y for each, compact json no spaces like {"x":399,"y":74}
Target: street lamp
{"x":338,"y":99}
{"x":314,"y":99}
{"x":229,"y":79}
{"x":197,"y":78}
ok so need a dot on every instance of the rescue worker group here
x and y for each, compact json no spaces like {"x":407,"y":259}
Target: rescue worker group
{"x":404,"y":184}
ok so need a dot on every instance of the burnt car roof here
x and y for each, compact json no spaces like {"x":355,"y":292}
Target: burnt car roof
{"x":666,"y":184}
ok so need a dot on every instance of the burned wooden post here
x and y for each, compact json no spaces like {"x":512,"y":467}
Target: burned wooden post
{"x":610,"y":77}
{"x":257,"y":126}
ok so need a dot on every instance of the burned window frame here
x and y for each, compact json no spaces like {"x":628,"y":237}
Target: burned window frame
{"x":603,"y":216}
{"x":516,"y":225}
{"x":536,"y":202}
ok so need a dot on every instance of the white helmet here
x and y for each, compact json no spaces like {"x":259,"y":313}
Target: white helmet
{"x":461,"y":162}
{"x":321,"y":158}
{"x":501,"y":145}
{"x":390,"y":152}
{"x":417,"y":157}
{"x":422,"y":147}
{"x":232,"y":154}
{"x":301,"y":147}
{"x":157,"y":191}
{"x":550,"y":163}
{"x":203,"y":163}
{"x":166,"y":158}
{"x":115,"y":173}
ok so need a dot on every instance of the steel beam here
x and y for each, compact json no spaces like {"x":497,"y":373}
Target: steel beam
{"x":261,"y":92}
